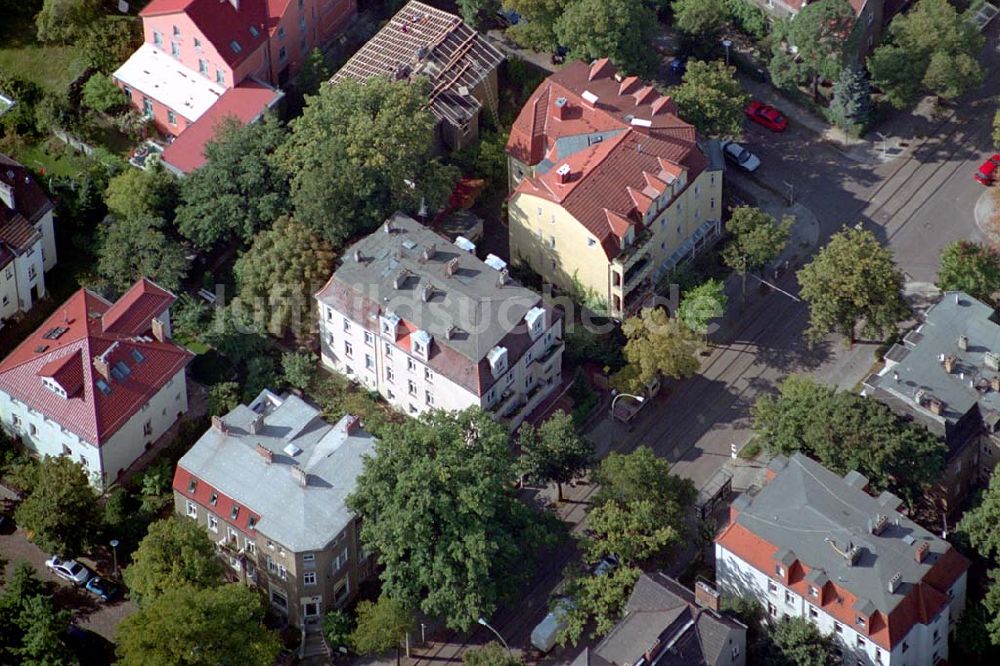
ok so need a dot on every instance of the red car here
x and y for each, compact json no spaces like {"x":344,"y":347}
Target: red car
{"x":988,"y":171}
{"x":766,"y":115}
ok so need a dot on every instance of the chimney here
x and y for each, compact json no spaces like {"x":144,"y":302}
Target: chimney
{"x":449,"y":332}
{"x":257,"y":425}
{"x":428,"y":252}
{"x":963,"y":342}
{"x":995,"y":383}
{"x":879,"y":524}
{"x":265,"y":453}
{"x":159,"y":330}
{"x":563,"y":174}
{"x":651,"y":652}
{"x":920,"y":552}
{"x":991,"y":361}
{"x":706,"y":596}
{"x":218,"y":424}
{"x":353,"y":424}
{"x":949,"y":364}
{"x":427,"y":292}
{"x":934,"y":405}
{"x":357,"y":256}
{"x":101,"y":365}
{"x":451,"y":267}
{"x":387,"y":227}
{"x":895,"y":581}
{"x":300,"y":475}
{"x":400,"y":279}
{"x":502,"y":278}
{"x":559,"y":108}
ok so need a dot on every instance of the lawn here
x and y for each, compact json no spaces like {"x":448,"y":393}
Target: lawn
{"x":56,"y":163}
{"x":51,"y":66}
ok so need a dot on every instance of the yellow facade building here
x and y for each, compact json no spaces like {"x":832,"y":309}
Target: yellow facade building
{"x":609,"y":187}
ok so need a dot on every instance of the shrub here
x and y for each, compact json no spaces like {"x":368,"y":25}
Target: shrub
{"x":101,"y":94}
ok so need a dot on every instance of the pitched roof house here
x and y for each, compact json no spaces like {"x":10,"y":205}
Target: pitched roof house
{"x":27,"y":239}
{"x":816,"y":545}
{"x":205,"y":60}
{"x":461,"y":66}
{"x":98,"y":381}
{"x":609,"y":186}
{"x":429,"y":325}
{"x":268,"y":481}
{"x":666,"y":624}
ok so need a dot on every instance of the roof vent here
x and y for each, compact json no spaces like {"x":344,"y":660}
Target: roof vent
{"x":300,"y":475}
{"x":503,"y":278}
{"x":963,"y":342}
{"x":895,"y":581}
{"x":921,"y":551}
{"x":590,"y":98}
{"x":949,"y":363}
{"x":428,"y":252}
{"x":495,"y":262}
{"x":562,"y":174}
{"x":464,"y":243}
{"x":265,"y":453}
{"x":427,"y":293}
{"x":291,"y":450}
{"x":991,"y":360}
{"x":879,"y":524}
{"x":641,"y":122}
{"x":358,"y":257}
{"x":451,"y":267}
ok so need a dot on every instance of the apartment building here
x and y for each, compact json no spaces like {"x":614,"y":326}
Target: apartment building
{"x":666,"y":624}
{"x":268,"y":482}
{"x":610,"y":189}
{"x":945,"y":376}
{"x":421,"y":41}
{"x":202,"y":61}
{"x":815,"y":545}
{"x":27,"y":239}
{"x":98,"y":381}
{"x":428,"y":325}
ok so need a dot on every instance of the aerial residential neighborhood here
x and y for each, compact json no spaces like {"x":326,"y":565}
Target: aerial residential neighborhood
{"x":500,"y":332}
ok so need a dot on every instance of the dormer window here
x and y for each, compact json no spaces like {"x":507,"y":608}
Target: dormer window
{"x":813,"y":592}
{"x":779,"y":570}
{"x":421,"y":344}
{"x":498,"y":360}
{"x":53,"y":386}
{"x":235,"y":512}
{"x":860,"y":621}
{"x":214,"y":499}
{"x":389,"y":325}
{"x":535,"y":320}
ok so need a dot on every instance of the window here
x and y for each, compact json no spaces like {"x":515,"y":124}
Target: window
{"x":878,"y":656}
{"x":789,"y":598}
{"x":270,"y":544}
{"x":861,"y":642}
{"x":84,"y":461}
{"x":937,"y":636}
{"x":214,"y":499}
{"x":202,"y":66}
{"x":388,"y":350}
{"x":389,"y":375}
{"x":302,"y":23}
{"x":860,"y":621}
{"x":254,"y":32}
{"x":177,"y":31}
{"x":175,"y":49}
{"x":232,"y":536}
{"x":213,"y":523}
{"x":778,"y":570}
{"x":147,"y":428}
{"x":369,"y":362}
{"x":906,"y":646}
{"x":147,"y":107}
{"x":103,"y":387}
{"x":192,"y":510}
{"x":251,"y":548}
{"x":369,"y":339}
{"x":428,"y":375}
{"x":771,"y":587}
{"x":281,"y":32}
{"x":411,"y":365}
{"x":429,"y":398}
{"x":412,"y":387}
{"x":552,"y":242}
{"x":813,"y":613}
{"x":303,"y":47}
{"x":193,"y":486}
{"x":838,"y":628}
{"x":591,"y":242}
{"x":342,"y":592}
{"x":235,"y":46}
{"x":282,"y":54}
{"x":340,"y":561}
{"x":220,"y":77}
{"x":235,"y":512}
{"x":347,"y":326}
{"x":137,"y":356}
{"x":34,"y":431}
{"x":813,"y":592}
{"x":309,"y":560}
{"x":348,"y":349}
{"x":171,"y":118}
{"x":197,"y":44}
{"x":158,"y":39}
{"x":279,"y":600}
{"x":309,"y":578}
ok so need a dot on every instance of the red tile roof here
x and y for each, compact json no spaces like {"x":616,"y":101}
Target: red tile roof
{"x":68,"y":358}
{"x":223,"y":506}
{"x":131,"y":314}
{"x":642,"y":147}
{"x":221,"y":23}
{"x":29,"y":198}
{"x":246,"y":103}
{"x":16,"y":232}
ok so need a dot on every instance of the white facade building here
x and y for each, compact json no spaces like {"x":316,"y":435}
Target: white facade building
{"x":814,"y":545}
{"x":430,"y":326}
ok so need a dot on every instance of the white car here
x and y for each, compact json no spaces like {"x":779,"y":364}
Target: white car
{"x":71,"y":570}
{"x":740,"y":156}
{"x":543,"y":636}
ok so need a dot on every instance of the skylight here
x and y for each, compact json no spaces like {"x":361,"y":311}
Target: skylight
{"x":137,"y":355}
{"x":103,"y":386}
{"x":253,"y":31}
{"x":120,"y":371}
{"x":54,"y":333}
{"x":235,"y":46}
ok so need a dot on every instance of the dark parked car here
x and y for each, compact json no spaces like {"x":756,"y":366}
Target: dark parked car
{"x":103,"y":588}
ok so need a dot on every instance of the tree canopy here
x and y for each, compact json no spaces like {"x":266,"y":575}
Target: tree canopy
{"x":239,"y":190}
{"x":537,"y":30}
{"x":175,"y":553}
{"x":711,"y":99}
{"x":32,"y":630}
{"x":930,"y":48}
{"x":700,"y":24}
{"x":996,"y":129}
{"x":851,"y":107}
{"x":853,"y":280}
{"x":701,"y":304}
{"x":199,"y":627}
{"x":438,"y":508}
{"x":491,"y":654}
{"x":658,"y":346}
{"x":845,"y":431}
{"x":60,"y":511}
{"x":553,"y":451}
{"x":101,"y":94}
{"x":819,"y":33}
{"x":134,"y":247}
{"x":137,"y":193}
{"x":795,"y":641}
{"x":349,"y":181}
{"x":65,"y":20}
{"x":478,"y":13}
{"x":757,"y":239}
{"x":281,"y":271}
{"x":381,"y":625}
{"x":621,"y":30}
{"x":599,"y":599}
{"x":970,"y":267}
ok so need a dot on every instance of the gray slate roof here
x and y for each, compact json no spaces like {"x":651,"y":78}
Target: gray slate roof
{"x":471,"y":299}
{"x":299,"y":518}
{"x":809,"y":510}
{"x":916,"y":365}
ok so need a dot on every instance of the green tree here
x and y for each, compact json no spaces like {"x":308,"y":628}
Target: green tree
{"x":478,"y":13}
{"x":279,"y":273}
{"x":235,"y":334}
{"x":238,"y":191}
{"x":175,"y":553}
{"x":65,"y":20}
{"x":109,"y":41}
{"x":199,"y":627}
{"x":134,"y":247}
{"x":701,"y":305}
{"x":784,"y":72}
{"x":599,"y":599}
{"x":932,"y":47}
{"x":621,"y":30}
{"x":640,"y":475}
{"x":337,"y":629}
{"x":349,"y":181}
{"x":42,"y":630}
{"x":970,"y":267}
{"x":700,"y":23}
{"x":381,"y":626}
{"x":711,"y":99}
{"x":749,"y":18}
{"x":819,"y":32}
{"x":261,"y":374}
{"x":313,"y":74}
{"x":60,"y":512}
{"x":438,"y":507}
{"x":223,"y":398}
{"x":537,"y":29}
{"x":491,"y":654}
{"x":636,"y":531}
{"x":845,"y":431}
{"x":853,"y":280}
{"x":658,"y":346}
{"x":188,"y":316}
{"x":137,"y":193}
{"x":979,"y":524}
{"x":996,"y":129}
{"x":851,"y":107}
{"x":297,"y":368}
{"x":553,"y":451}
{"x":795,"y":641}
{"x":101,"y":94}
{"x":757,"y":239}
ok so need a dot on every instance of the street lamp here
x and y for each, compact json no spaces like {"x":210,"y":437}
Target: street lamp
{"x":637,"y":398}
{"x":727,"y":43}
{"x":114,"y":551}
{"x":791,"y":192}
{"x":486,"y":624}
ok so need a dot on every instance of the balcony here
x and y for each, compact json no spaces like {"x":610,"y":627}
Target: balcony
{"x":636,"y":249}
{"x":556,"y":346}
